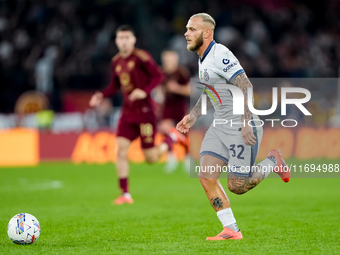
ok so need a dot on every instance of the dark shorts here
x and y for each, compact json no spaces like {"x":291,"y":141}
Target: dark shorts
{"x":144,"y":127}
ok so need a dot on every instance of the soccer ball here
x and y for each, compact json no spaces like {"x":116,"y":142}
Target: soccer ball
{"x":23,"y":228}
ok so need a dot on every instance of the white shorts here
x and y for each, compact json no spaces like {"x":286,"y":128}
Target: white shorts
{"x":230,"y":148}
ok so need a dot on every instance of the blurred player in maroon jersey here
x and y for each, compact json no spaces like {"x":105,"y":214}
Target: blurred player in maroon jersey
{"x":136,"y":74}
{"x":176,"y":86}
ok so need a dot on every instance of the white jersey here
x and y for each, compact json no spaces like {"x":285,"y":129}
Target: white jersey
{"x":218,"y":65}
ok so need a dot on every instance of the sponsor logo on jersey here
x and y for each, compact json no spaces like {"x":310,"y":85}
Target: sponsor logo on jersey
{"x":225,"y":61}
{"x":125,"y":81}
{"x":229,"y":66}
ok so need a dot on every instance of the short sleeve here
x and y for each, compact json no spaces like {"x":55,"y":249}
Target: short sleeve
{"x":226,"y":64}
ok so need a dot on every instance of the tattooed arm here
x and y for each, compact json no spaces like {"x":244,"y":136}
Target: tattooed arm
{"x":197,"y":110}
{"x":189,"y":120}
{"x":243,"y":83}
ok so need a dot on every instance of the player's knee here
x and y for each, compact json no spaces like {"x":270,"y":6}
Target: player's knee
{"x":236,"y":188}
{"x":205,"y":180}
{"x":122,"y":154}
{"x":237,"y":191}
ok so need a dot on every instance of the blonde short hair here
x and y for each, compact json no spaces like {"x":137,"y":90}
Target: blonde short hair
{"x":206,"y":18}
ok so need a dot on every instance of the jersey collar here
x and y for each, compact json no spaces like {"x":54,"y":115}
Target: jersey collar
{"x":207,"y":50}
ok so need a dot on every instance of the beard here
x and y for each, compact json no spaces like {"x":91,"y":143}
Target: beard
{"x":198,"y":43}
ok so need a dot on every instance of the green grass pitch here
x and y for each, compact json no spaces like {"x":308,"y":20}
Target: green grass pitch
{"x":171,"y":214}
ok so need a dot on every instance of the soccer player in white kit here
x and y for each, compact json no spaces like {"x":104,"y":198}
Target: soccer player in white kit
{"x":226,"y":145}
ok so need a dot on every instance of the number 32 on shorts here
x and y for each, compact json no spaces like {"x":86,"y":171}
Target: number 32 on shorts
{"x":237,"y":150}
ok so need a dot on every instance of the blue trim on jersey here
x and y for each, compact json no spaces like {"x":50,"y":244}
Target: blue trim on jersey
{"x":235,"y":74}
{"x":214,"y":154}
{"x":207,"y":51}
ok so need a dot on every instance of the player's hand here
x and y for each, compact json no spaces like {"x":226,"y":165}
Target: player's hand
{"x":186,"y":123}
{"x":248,"y":135}
{"x":96,"y":99}
{"x":137,"y":94}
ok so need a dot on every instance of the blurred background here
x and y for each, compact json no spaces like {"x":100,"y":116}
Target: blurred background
{"x":55,"y":54}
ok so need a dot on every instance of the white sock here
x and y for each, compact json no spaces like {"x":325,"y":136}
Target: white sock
{"x":171,"y":163}
{"x":227,"y":219}
{"x":127,"y":195}
{"x":267,"y":166}
{"x":186,"y":164}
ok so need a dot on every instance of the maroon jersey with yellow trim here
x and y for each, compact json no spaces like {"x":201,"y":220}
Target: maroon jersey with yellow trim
{"x":138,"y":70}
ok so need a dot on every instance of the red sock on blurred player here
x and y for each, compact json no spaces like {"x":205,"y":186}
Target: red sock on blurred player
{"x":125,"y":198}
{"x":123,"y":184}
